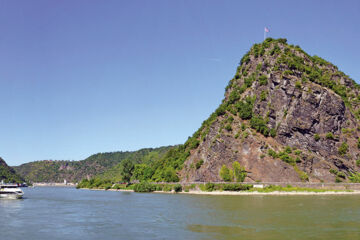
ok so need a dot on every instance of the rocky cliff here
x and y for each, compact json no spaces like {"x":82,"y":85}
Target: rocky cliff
{"x":286,"y":117}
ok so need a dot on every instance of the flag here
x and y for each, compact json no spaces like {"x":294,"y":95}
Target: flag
{"x":266,"y":29}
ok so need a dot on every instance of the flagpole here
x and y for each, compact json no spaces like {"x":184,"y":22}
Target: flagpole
{"x":264,"y":34}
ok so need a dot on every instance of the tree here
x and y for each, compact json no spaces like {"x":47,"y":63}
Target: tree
{"x":127,"y":170}
{"x":239,"y":172}
{"x":225,"y":174}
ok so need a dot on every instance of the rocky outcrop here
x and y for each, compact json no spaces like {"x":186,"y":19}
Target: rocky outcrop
{"x":302,"y":126}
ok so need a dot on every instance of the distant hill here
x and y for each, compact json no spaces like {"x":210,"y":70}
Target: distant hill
{"x":102,"y":164}
{"x":8,"y":174}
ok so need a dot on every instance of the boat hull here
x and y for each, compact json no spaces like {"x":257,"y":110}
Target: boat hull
{"x":11,"y":196}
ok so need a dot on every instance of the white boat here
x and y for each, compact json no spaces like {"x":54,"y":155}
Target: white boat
{"x":10,"y":191}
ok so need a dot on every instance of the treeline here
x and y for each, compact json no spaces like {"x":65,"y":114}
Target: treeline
{"x":101,"y":165}
{"x":8,"y":174}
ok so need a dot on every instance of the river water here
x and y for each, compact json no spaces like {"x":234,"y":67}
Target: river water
{"x":67,"y":213}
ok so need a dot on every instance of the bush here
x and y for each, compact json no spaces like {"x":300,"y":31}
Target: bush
{"x":236,"y":187}
{"x":199,"y":163}
{"x":259,"y":124}
{"x":329,"y":135}
{"x":209,"y":187}
{"x":144,"y":187}
{"x":273,"y":132}
{"x":225,"y":173}
{"x":228,"y":127}
{"x":343,"y":148}
{"x":177,"y":188}
{"x":263,"y":80}
{"x":167,"y":188}
{"x":272,"y":153}
{"x":355,"y":177}
{"x":263,"y":95}
{"x":288,"y":149}
{"x":316,"y":137}
{"x":298,"y":84}
{"x":358,"y":143}
{"x":358,"y":162}
{"x":245,"y":108}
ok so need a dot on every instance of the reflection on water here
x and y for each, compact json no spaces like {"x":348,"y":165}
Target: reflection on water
{"x":67,"y":213}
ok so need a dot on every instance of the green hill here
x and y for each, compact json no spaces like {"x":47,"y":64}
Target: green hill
{"x":103,"y":164}
{"x":8,"y":174}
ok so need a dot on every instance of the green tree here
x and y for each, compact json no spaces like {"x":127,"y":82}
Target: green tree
{"x":225,"y":173}
{"x":239,"y":172}
{"x":127,"y":170}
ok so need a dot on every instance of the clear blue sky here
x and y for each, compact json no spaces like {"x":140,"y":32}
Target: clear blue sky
{"x":81,"y":77}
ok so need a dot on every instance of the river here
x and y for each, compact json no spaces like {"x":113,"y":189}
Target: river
{"x":67,"y":213}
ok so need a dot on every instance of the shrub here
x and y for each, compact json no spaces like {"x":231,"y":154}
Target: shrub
{"x":358,"y":162}
{"x":236,"y":187}
{"x":354,"y":177}
{"x":228,"y":127}
{"x":259,"y":124}
{"x":263,"y":80}
{"x":167,"y":188}
{"x":263,"y":95}
{"x":298,"y":84}
{"x":297,"y":152}
{"x":199,"y":163}
{"x":177,"y":188}
{"x":245,"y":108}
{"x":288,"y":149}
{"x":341,"y":174}
{"x":343,"y":148}
{"x":286,"y":158}
{"x":358,"y":143}
{"x":272,"y":153}
{"x":316,"y":137}
{"x":273,"y":132}
{"x":209,"y":187}
{"x":329,"y":135}
{"x":225,"y":173}
{"x":144,"y":187}
{"x":239,"y":172}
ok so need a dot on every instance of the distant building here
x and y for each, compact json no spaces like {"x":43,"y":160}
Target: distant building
{"x":65,"y":182}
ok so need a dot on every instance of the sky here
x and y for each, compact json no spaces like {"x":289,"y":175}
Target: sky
{"x":82,"y":77}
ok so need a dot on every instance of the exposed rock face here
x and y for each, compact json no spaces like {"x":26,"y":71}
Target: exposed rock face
{"x":310,"y":107}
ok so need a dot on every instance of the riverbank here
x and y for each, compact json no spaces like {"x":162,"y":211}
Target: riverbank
{"x":54,"y":185}
{"x":246,"y":193}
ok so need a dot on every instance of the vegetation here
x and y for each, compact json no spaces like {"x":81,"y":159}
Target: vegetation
{"x":199,"y":164}
{"x":225,"y":173}
{"x":237,"y":173}
{"x":8,"y":174}
{"x":102,"y":165}
{"x":355,"y":177}
{"x":343,"y":148}
{"x":329,"y":135}
{"x":316,"y":137}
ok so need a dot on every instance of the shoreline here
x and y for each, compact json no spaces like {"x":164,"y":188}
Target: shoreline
{"x":240,"y":193}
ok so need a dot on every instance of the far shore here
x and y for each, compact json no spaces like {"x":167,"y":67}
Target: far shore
{"x":277,"y":193}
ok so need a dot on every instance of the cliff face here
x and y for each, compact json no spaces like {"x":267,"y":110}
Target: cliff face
{"x":8,"y":174}
{"x":286,"y":117}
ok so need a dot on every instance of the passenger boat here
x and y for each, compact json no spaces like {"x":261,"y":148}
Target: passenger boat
{"x":10,"y":191}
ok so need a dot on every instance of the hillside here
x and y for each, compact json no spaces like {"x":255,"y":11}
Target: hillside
{"x":8,"y":174}
{"x":286,"y":117}
{"x":97,"y":164}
